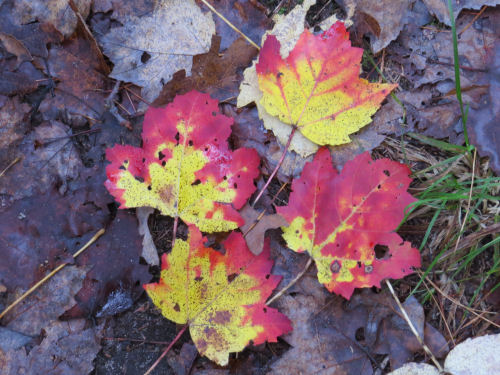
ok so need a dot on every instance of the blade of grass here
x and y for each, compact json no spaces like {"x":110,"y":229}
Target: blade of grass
{"x":458,"y":87}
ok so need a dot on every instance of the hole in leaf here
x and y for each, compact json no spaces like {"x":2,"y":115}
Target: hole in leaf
{"x":145,"y":57}
{"x":235,"y":185}
{"x":268,"y":276}
{"x":190,"y":143}
{"x":122,"y":167}
{"x":140,"y":179}
{"x":163,"y":163}
{"x":198,"y":278}
{"x":360,"y":334}
{"x":231,"y":277}
{"x":387,"y":173}
{"x":359,"y":264}
{"x":143,"y":160}
{"x":161,"y":155}
{"x":149,"y":187}
{"x":177,"y":137}
{"x":381,"y":251}
{"x":335,"y":267}
{"x":214,"y":114}
{"x":368,"y":268}
{"x":224,"y":178}
{"x":197,"y":182}
{"x":379,"y":186}
{"x":177,"y":307}
{"x":265,"y":310}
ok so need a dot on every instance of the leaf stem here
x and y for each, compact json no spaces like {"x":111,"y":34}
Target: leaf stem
{"x":412,"y":327}
{"x":166,"y":350}
{"x":174,"y":230}
{"x":282,"y":158}
{"x":291,"y":283}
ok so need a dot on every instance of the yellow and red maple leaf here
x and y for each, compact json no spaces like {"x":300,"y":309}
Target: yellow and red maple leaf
{"x":185,"y":168}
{"x":343,"y":220}
{"x":222,"y":297}
{"x":317,"y":87}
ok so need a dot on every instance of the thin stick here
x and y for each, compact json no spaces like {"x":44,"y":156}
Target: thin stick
{"x":468,"y":203}
{"x":291,"y":283}
{"x":16,"y":160}
{"x":174,"y":230}
{"x":166,"y":350}
{"x":261,"y":215}
{"x":412,"y":327}
{"x":56,"y":270}
{"x":230,"y":24}
{"x":282,"y":158}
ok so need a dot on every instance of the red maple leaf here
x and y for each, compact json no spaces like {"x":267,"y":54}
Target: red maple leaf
{"x":342,"y":220}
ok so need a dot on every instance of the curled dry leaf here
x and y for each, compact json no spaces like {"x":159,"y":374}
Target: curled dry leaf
{"x":346,"y":221}
{"x":142,"y":53}
{"x":185,"y":168}
{"x":221,"y":297}
{"x":149,"y":251}
{"x":255,"y":229}
{"x":317,"y":87}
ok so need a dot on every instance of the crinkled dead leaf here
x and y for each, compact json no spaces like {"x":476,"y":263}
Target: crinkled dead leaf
{"x":439,"y":8}
{"x":185,"y":168}
{"x":343,"y":221}
{"x":221,"y":297}
{"x":56,"y":12}
{"x":147,"y":50}
{"x":214,"y":73}
{"x":317,"y":87}
{"x":67,"y":348}
{"x":256,"y":225}
{"x":381,"y":20}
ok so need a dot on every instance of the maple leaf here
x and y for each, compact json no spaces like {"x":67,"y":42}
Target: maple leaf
{"x":185,"y":168}
{"x":221,"y":297}
{"x":317,"y":87}
{"x":341,"y":220}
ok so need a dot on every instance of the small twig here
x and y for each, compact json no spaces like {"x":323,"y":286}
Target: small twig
{"x":468,"y":202}
{"x":282,"y":158}
{"x":136,"y":340}
{"x":478,"y":313}
{"x":56,"y":270}
{"x":50,"y":140}
{"x":230,"y":24}
{"x":16,"y":160}
{"x":261,"y":215}
{"x":474,"y":19}
{"x":174,"y":230}
{"x":166,"y":350}
{"x":412,"y":327}
{"x":291,"y":283}
{"x":277,"y":9}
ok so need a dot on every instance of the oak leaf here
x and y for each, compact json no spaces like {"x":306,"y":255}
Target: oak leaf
{"x":343,"y":220}
{"x":317,"y":87}
{"x":221,"y":297}
{"x":185,"y":168}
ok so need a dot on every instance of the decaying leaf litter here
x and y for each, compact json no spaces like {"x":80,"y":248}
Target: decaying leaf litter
{"x":82,"y":119}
